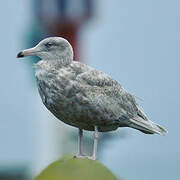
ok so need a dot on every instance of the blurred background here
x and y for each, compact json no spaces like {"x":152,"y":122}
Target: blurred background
{"x":136,"y":42}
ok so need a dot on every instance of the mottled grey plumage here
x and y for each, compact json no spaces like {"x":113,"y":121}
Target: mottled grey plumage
{"x":82,"y":96}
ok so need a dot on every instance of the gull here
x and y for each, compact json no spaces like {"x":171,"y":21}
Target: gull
{"x":82,"y":96}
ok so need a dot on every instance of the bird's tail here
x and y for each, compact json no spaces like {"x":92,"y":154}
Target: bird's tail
{"x":146,"y":126}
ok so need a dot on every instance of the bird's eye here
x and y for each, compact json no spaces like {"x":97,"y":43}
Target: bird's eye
{"x":48,"y":45}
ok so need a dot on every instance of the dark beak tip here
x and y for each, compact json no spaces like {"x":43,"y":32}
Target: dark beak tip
{"x":20,"y":55}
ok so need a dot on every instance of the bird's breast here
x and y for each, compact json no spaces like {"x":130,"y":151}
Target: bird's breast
{"x":54,"y":88}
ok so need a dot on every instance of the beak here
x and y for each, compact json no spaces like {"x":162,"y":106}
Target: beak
{"x":27,"y":52}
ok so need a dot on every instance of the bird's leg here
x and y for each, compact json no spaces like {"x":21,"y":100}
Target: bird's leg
{"x":80,"y":136}
{"x":94,"y":156}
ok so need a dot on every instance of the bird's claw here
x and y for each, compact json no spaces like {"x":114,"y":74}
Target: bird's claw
{"x":85,"y":157}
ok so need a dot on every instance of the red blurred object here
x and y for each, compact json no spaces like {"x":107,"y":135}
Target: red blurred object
{"x":64,"y":18}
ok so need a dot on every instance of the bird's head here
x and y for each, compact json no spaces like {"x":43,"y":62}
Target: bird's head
{"x":52,"y":48}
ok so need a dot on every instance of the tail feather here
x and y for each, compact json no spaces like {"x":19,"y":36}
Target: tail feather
{"x":147,"y":127}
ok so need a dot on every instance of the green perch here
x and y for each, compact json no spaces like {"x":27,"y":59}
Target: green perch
{"x":70,"y":168}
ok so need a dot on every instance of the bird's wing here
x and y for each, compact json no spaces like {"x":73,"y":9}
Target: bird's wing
{"x":110,"y":93}
{"x":111,"y":99}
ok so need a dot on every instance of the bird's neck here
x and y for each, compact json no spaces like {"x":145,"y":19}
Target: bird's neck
{"x":48,"y":64}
